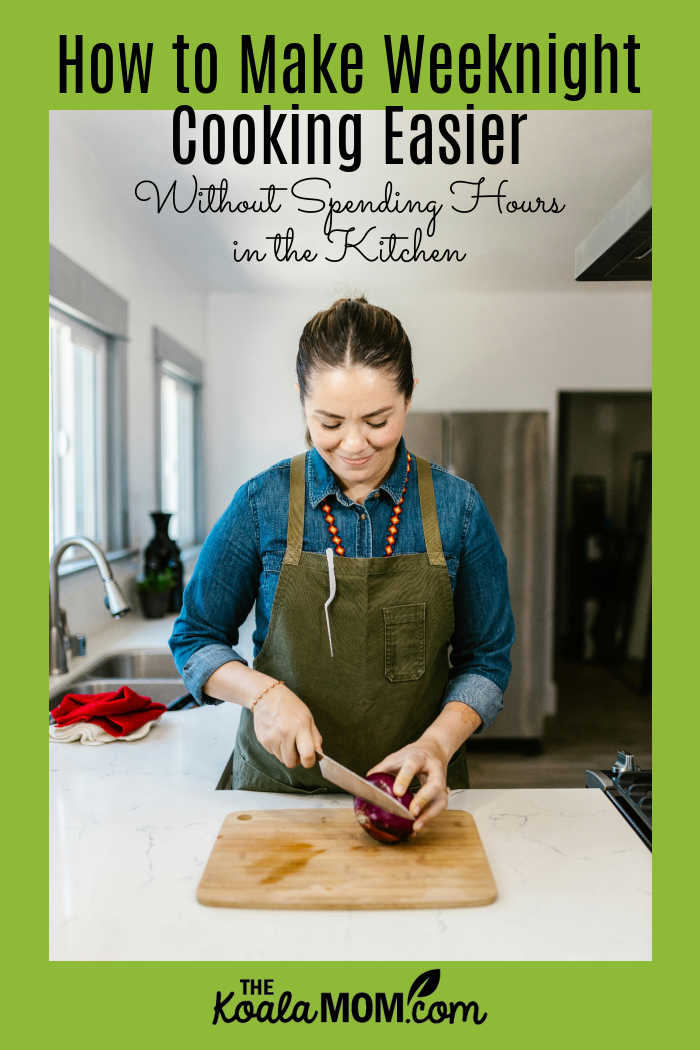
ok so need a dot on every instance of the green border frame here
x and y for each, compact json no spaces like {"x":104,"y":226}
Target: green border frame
{"x":570,"y":1004}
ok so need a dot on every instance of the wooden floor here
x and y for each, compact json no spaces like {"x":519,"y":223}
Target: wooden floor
{"x":597,"y":714}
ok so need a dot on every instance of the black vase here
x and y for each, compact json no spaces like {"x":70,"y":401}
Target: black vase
{"x":163,"y":553}
{"x":154,"y":604}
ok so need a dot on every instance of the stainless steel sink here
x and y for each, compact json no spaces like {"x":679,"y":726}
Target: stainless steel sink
{"x":150,"y":672}
{"x":160,"y":690}
{"x":135,"y":663}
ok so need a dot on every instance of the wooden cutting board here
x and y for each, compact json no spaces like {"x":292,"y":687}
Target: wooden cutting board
{"x":321,"y":858}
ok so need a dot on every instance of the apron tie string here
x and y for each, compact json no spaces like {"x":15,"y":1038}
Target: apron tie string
{"x":331,"y":592}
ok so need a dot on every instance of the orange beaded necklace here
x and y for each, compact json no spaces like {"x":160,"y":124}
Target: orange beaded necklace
{"x":392,"y":532}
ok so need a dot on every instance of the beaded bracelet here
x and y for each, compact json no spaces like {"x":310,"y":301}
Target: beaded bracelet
{"x":265,"y":690}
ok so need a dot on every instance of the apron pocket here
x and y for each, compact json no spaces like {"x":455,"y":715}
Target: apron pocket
{"x":404,"y":642}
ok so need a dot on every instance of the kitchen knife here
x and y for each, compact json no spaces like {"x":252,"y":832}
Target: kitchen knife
{"x":344,"y":778}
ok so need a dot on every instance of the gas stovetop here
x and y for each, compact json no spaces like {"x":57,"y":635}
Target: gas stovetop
{"x":629,"y":789}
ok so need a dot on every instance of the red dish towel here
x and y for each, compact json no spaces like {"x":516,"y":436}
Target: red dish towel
{"x":117,"y":713}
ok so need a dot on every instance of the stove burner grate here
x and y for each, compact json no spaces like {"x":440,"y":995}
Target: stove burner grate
{"x":629,"y":789}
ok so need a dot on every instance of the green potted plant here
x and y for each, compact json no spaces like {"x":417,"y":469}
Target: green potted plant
{"x":154,"y":593}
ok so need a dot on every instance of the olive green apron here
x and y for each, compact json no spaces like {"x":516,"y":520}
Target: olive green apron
{"x":391,"y":623}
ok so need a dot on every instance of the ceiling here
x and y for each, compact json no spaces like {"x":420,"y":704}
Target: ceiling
{"x":585,"y":159}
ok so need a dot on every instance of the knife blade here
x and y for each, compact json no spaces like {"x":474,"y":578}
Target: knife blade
{"x":353,"y":783}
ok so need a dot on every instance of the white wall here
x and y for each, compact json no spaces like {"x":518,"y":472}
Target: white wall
{"x":94,"y":230}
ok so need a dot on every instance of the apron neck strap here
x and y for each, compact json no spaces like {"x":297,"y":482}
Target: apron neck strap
{"x":297,"y":503}
{"x":431,"y":528}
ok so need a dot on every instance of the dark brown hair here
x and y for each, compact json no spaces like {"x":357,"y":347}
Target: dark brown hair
{"x":354,"y":332}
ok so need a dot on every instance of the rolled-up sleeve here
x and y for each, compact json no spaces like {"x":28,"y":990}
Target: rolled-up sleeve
{"x":218,"y":597}
{"x":484,"y":628}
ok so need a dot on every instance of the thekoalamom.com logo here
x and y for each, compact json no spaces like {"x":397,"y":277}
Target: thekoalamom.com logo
{"x":257,"y":1001}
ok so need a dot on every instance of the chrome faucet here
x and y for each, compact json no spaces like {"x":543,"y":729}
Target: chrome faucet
{"x":60,"y":639}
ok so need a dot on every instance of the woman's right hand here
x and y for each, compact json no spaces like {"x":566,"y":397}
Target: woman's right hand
{"x":285,"y":727}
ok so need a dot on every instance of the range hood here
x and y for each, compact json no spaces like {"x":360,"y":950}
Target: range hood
{"x":619,"y":248}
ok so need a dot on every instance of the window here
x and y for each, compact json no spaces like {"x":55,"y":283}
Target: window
{"x":177,"y":397}
{"x":78,"y":423}
{"x":87,"y":409}
{"x":178,"y":393}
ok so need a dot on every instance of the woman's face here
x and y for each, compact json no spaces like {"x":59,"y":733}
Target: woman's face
{"x":356,"y":417}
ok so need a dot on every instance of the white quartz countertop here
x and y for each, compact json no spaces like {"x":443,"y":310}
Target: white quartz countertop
{"x":132,"y":825}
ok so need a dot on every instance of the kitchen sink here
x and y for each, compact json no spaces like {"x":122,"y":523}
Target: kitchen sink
{"x":160,"y":690}
{"x":150,"y":672}
{"x":135,"y":663}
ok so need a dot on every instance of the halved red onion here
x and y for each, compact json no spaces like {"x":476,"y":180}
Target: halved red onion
{"x":379,"y":823}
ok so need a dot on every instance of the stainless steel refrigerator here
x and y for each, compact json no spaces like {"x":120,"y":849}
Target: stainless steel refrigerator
{"x":505,"y":455}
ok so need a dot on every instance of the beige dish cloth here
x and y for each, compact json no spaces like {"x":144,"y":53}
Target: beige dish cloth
{"x":89,"y":733}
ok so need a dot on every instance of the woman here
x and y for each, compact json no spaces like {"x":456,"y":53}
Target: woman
{"x":365,"y":564}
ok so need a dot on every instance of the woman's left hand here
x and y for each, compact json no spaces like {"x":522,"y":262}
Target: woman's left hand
{"x":427,"y":761}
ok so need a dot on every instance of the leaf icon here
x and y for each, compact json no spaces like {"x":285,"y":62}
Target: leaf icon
{"x":424,"y":984}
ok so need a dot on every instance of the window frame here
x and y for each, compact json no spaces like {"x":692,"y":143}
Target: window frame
{"x":172,"y":358}
{"x":76,"y":293}
{"x":64,"y":386}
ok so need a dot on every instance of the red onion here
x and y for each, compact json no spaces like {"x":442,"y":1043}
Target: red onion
{"x":379,"y":823}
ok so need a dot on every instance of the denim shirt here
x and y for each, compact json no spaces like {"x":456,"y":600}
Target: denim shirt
{"x":240,"y":563}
